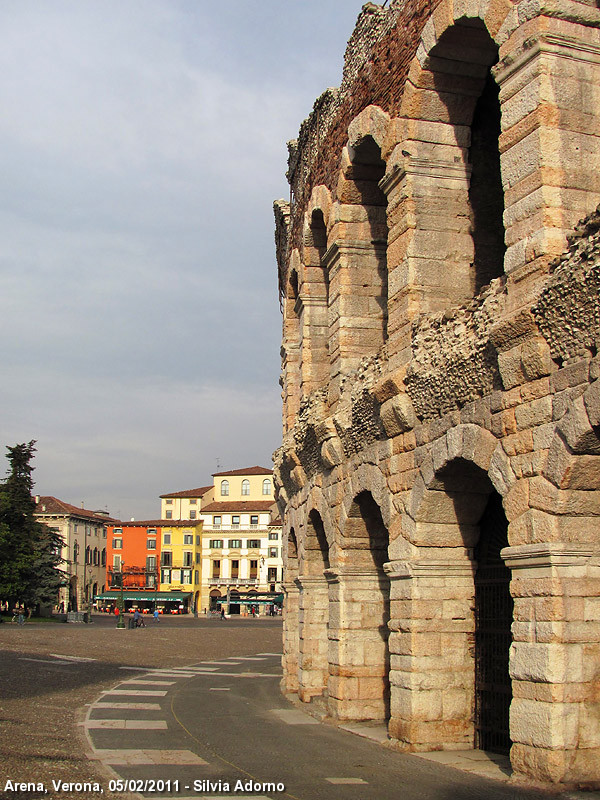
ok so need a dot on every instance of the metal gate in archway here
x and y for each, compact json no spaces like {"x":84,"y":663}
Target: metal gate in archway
{"x":493,"y":618}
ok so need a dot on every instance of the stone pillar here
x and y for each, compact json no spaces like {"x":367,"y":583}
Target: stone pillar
{"x":290,"y":383}
{"x":356,"y":316}
{"x":431,"y":650}
{"x":430,"y":247}
{"x":312,"y":653}
{"x":358,"y":651}
{"x":289,"y":660}
{"x":315,"y":333}
{"x":555,"y":662}
{"x":549,"y":78}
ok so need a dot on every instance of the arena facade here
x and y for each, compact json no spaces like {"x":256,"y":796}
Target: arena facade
{"x":439,"y":476}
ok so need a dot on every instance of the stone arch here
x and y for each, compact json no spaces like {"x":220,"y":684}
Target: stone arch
{"x":290,"y":611}
{"x":439,"y":620}
{"x":314,"y":307}
{"x":290,"y":351}
{"x":367,"y":477}
{"x":313,"y":667}
{"x":360,"y":612}
{"x":373,"y":123}
{"x":442,"y":166}
{"x":574,"y":457}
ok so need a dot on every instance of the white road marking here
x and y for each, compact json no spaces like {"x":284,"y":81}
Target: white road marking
{"x":144,"y":682}
{"x":342,"y":781}
{"x":130,"y":706}
{"x":137,"y":692}
{"x":127,"y":724}
{"x":219,"y":689}
{"x":46,"y":661}
{"x":179,"y":758}
{"x":73,"y":658}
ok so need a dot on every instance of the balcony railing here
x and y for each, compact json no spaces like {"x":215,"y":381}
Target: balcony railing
{"x":236,"y":527}
{"x":235,"y":581}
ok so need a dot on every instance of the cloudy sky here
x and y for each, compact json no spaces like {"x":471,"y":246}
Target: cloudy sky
{"x":142,"y":143}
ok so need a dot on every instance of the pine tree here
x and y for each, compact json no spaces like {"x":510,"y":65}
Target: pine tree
{"x":29,"y":551}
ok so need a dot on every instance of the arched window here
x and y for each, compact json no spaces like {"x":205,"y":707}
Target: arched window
{"x":245,"y":486}
{"x":88,"y":555}
{"x":103,"y":558}
{"x":266,"y":486}
{"x":75,"y":552}
{"x":224,"y":488}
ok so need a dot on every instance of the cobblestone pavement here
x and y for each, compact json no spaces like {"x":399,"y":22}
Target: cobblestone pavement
{"x":50,"y":672}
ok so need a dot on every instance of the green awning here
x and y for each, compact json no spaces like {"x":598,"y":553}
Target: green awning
{"x":160,"y":597}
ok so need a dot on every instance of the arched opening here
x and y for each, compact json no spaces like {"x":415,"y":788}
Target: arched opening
{"x":366,"y":172}
{"x":213,"y":600}
{"x":290,"y":352}
{"x":359,"y":686}
{"x":291,"y":636}
{"x":472,"y":102}
{"x":315,"y":305}
{"x":314,"y":612}
{"x":460,"y":529}
{"x":493,"y":620}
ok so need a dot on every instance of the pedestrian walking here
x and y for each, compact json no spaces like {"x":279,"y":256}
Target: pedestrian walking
{"x":138,"y":620}
{"x":223,"y":613}
{"x":155,"y":615}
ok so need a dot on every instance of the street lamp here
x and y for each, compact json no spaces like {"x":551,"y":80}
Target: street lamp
{"x":121,"y":622}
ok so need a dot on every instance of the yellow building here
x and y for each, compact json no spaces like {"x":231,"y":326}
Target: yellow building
{"x":181,"y":563}
{"x":241,"y":562}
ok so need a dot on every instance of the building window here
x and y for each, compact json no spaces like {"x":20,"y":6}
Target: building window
{"x":151,"y":544}
{"x":169,"y":515}
{"x":196,"y":576}
{"x":272,"y":552}
{"x":266,"y":486}
{"x":96,"y":557}
{"x":166,"y":558}
{"x":166,"y":538}
{"x":117,"y":563}
{"x":235,"y":521}
{"x":151,"y":581}
{"x":216,"y":543}
{"x":235,"y":569}
{"x":88,"y":555}
{"x":253,"y":570}
{"x":187,"y":558}
{"x":117,"y":544}
{"x":272,"y":574}
{"x":216,"y":522}
{"x":186,"y":575}
{"x":192,"y":514}
{"x":254,"y":544}
{"x":151,"y":531}
{"x":197,"y":541}
{"x":235,"y":544}
{"x":193,"y":501}
{"x":274,"y":537}
{"x":254,"y":520}
{"x":165,"y":576}
{"x":245,"y":487}
{"x":150,"y":563}
{"x":116,"y":531}
{"x":188,"y":538}
{"x":169,"y":501}
{"x":103,"y":559}
{"x":216,"y":569}
{"x":224,"y":488}
{"x":75,"y":552}
{"x":197,"y":558}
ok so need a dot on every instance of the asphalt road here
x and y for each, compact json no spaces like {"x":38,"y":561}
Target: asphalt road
{"x":231,"y":715}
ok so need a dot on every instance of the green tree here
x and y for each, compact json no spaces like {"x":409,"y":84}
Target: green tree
{"x":29,"y":551}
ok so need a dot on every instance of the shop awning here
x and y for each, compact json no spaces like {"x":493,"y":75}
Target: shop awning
{"x":160,"y":597}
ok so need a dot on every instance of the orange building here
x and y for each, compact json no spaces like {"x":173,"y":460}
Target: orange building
{"x":133,"y":556}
